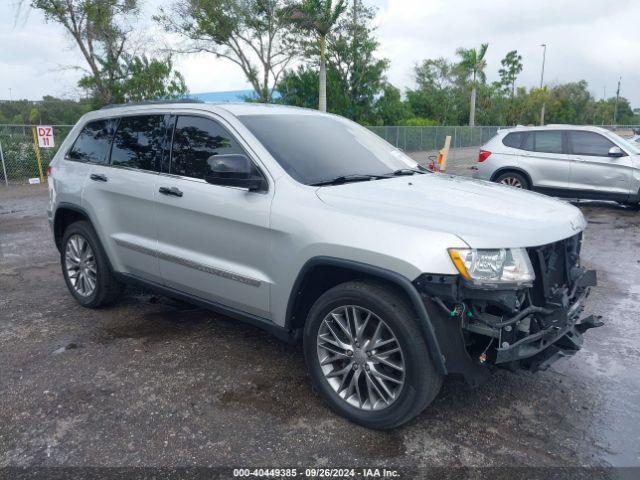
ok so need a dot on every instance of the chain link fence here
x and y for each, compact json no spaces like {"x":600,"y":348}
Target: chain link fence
{"x":19,"y":161}
{"x":419,"y":139}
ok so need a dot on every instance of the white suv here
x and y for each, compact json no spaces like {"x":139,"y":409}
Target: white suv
{"x":565,"y":161}
{"x":315,"y":229}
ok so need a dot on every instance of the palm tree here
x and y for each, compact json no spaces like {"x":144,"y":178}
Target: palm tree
{"x":472,"y":64}
{"x":319,"y":16}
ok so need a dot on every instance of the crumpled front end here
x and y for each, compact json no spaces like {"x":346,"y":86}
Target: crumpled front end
{"x":517,"y":327}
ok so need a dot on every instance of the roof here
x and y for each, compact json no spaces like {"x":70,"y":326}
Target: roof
{"x":229,"y":96}
{"x":589,"y":128}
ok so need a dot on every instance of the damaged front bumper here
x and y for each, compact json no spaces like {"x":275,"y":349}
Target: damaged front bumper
{"x":516,"y":327}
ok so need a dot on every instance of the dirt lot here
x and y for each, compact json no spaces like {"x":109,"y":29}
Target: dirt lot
{"x":152,"y":383}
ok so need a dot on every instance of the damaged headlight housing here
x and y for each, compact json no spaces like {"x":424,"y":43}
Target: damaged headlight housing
{"x":502,"y":265}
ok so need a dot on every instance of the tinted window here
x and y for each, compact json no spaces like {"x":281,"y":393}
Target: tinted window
{"x":513,"y":140}
{"x":314,"y":148}
{"x":194,"y":141}
{"x":544,"y":141}
{"x":589,"y":143}
{"x":92,"y":145}
{"x":548,"y":142}
{"x":138,"y":142}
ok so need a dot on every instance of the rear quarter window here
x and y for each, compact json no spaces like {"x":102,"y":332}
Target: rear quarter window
{"x":513,"y":140}
{"x":93,"y":143}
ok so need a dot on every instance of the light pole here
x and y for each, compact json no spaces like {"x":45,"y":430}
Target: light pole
{"x":544,"y":57}
{"x":10,"y":97}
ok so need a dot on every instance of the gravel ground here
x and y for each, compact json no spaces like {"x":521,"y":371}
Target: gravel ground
{"x":149,"y":382}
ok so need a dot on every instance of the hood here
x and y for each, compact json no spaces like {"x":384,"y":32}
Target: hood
{"x":482,"y":214}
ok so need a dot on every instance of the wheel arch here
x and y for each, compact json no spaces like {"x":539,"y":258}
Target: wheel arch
{"x":319,"y":274}
{"x":65,"y":215}
{"x":519,"y":170}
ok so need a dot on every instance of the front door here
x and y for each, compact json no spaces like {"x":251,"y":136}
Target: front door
{"x":594,"y":174}
{"x":213,"y":241}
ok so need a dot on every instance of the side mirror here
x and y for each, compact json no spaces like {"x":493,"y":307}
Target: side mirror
{"x":233,"y":170}
{"x":616,"y":152}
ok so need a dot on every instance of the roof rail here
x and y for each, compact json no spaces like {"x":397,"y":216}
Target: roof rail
{"x":152,"y":102}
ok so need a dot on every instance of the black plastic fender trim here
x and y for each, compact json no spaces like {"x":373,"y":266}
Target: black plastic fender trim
{"x":425,"y":323}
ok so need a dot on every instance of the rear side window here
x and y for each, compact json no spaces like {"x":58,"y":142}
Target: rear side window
{"x":513,"y":140}
{"x":548,"y":142}
{"x":92,"y":145}
{"x":138,"y":142}
{"x":590,"y":143}
{"x":544,"y":142}
{"x":195,"y":140}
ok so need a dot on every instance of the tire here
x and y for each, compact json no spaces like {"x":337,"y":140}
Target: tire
{"x":513,"y":179}
{"x":106,"y":289}
{"x":420,"y":380}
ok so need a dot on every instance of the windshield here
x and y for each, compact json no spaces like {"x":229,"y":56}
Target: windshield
{"x":316,"y":148}
{"x":630,"y":146}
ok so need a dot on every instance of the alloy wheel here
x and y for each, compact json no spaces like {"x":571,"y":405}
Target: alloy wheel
{"x":512,"y":182}
{"x":360,"y":357}
{"x":80,"y":263}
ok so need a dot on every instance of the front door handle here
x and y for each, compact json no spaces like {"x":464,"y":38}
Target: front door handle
{"x":173,"y":191}
{"x":98,"y":177}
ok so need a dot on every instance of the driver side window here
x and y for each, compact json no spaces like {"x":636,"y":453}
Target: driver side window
{"x":590,"y":143}
{"x":195,"y":141}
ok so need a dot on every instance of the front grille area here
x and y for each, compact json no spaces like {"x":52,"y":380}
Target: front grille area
{"x":557,"y":269}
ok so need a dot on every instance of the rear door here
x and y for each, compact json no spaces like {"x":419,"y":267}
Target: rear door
{"x":594,"y":174}
{"x":214,"y":240}
{"x":544,"y":158}
{"x":89,"y":152}
{"x":121,"y":195}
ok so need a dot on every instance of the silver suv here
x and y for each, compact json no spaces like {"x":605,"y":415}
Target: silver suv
{"x":315,"y":229}
{"x":564,"y":161}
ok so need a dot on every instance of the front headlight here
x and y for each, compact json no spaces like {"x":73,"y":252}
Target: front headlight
{"x":504,"y":265}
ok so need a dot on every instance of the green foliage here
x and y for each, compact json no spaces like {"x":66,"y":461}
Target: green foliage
{"x":253,"y":34}
{"x":511,"y":68}
{"x":317,"y":16}
{"x":391,"y":110}
{"x":472,"y":63}
{"x":356,"y":86}
{"x":102,"y":29}
{"x":439,"y":94}
{"x":48,"y":111}
{"x":418,"y":122}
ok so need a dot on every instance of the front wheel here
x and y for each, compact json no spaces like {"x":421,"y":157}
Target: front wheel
{"x":367,"y":356}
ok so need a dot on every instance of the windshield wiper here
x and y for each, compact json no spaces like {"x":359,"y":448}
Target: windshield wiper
{"x":345,"y":179}
{"x":409,"y":171}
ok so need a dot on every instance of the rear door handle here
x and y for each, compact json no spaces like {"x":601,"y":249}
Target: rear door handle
{"x":98,"y":177}
{"x":173,"y":191}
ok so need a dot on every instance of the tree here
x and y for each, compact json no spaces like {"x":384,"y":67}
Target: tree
{"x":151,"y":78}
{"x":252,"y":34}
{"x":101,"y":29}
{"x":355,"y":77}
{"x":438,"y":95}
{"x":319,"y":17}
{"x":472,"y":65}
{"x":511,"y":67}
{"x":389,"y":107}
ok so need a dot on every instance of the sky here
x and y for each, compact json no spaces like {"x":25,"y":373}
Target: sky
{"x":594,"y":40}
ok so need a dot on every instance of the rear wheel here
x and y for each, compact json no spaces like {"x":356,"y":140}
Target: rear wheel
{"x":513,"y":179}
{"x":85,"y":267}
{"x":367,"y":357}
